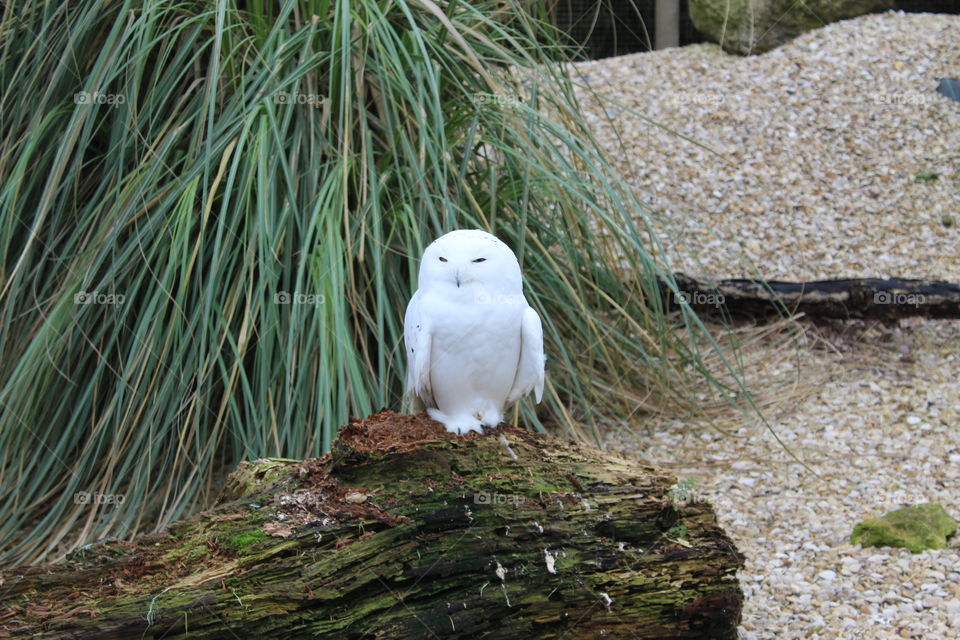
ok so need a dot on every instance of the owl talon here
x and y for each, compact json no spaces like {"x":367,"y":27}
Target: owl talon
{"x":491,"y":419}
{"x":456,"y":424}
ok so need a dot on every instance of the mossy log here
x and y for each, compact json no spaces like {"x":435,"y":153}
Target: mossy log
{"x":865,"y":298}
{"x":405,"y":531}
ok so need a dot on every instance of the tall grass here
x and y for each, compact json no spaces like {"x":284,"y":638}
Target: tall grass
{"x":210,"y":219}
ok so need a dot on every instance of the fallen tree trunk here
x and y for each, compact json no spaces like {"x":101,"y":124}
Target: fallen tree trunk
{"x":868,"y":298}
{"x":405,"y":531}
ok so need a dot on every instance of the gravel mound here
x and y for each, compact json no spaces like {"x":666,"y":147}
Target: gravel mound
{"x":832,"y":156}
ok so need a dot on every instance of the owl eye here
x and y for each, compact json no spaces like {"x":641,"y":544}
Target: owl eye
{"x":442,"y":259}
{"x":480,"y":260}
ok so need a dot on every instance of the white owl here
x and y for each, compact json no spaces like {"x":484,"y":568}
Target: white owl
{"x":473,"y":343}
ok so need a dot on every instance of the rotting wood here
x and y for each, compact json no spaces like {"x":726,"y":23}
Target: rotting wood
{"x":405,"y":531}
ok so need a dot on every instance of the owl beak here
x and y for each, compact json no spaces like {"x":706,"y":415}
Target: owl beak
{"x":458,"y":278}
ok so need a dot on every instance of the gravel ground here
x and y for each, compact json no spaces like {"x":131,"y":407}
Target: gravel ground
{"x":821,"y":153}
{"x":882,"y":433}
{"x":820,"y":144}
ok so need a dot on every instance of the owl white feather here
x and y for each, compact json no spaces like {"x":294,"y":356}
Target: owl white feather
{"x":473,"y":343}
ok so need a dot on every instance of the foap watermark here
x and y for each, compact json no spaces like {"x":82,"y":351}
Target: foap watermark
{"x":692,"y":97}
{"x":486,"y":497}
{"x":496,"y":98}
{"x":700,"y":298}
{"x":95,"y":97}
{"x":499,"y":298}
{"x":284,"y":97}
{"x":95,"y":497}
{"x":907,"y":98}
{"x":684,"y":493}
{"x":96,"y":297}
{"x":296,"y":297}
{"x":899,"y":298}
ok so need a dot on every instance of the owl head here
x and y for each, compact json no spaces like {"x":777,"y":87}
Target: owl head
{"x":466,"y":261}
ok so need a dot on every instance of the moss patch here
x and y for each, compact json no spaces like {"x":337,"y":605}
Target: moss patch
{"x":924,"y":526}
{"x":255,"y":475}
{"x":244,"y":540}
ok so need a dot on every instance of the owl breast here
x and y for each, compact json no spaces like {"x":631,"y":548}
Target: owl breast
{"x":475,"y":352}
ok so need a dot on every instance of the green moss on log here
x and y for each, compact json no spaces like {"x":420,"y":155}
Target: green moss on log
{"x":241,"y":541}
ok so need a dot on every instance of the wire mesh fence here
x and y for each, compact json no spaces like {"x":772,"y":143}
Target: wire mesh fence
{"x":604,"y":28}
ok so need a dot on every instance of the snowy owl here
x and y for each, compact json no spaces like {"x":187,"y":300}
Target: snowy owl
{"x":473,"y":343}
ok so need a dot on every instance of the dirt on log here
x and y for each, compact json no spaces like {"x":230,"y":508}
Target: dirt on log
{"x":406,"y":531}
{"x":866,"y":298}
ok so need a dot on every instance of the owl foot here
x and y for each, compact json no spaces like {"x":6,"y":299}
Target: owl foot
{"x":456,"y":424}
{"x":491,"y":418}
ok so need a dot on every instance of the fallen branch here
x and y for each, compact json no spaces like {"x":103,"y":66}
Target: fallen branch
{"x":867,"y":298}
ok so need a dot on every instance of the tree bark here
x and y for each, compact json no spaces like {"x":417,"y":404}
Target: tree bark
{"x":867,"y":298}
{"x":405,"y":531}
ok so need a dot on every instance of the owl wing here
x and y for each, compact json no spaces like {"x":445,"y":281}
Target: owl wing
{"x":530,"y":369}
{"x":417,"y":339}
